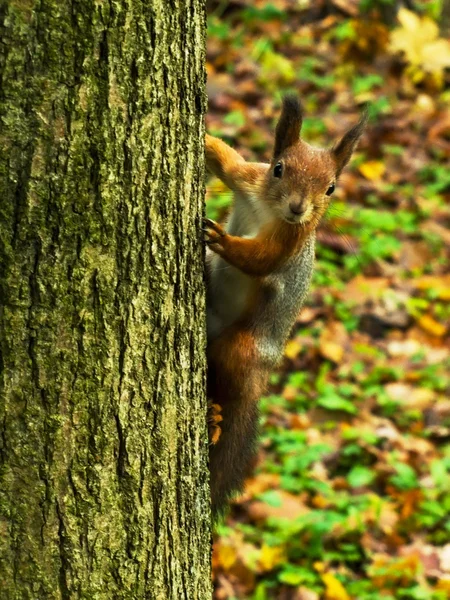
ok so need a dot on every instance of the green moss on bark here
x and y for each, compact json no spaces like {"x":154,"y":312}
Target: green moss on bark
{"x":104,"y":490}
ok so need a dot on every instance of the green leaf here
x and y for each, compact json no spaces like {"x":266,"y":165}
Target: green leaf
{"x":293,"y":575}
{"x":360,"y":476}
{"x":406,"y":478}
{"x":235,"y":118}
{"x":272,"y":498}
{"x":335,"y":402}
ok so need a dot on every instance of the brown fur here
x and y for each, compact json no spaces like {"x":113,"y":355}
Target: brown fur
{"x":236,"y":380}
{"x":263,"y":254}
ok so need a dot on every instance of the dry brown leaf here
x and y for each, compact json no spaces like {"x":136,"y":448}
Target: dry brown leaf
{"x":405,"y":348}
{"x":333,"y":341}
{"x":261,"y":483}
{"x":361,"y":289}
{"x":410,"y":396}
{"x":415,"y":255}
{"x":290,"y":507}
{"x":304,"y":593}
{"x":431,"y":226}
{"x":445,"y":558}
{"x":299,"y":422}
{"x":430,"y":556}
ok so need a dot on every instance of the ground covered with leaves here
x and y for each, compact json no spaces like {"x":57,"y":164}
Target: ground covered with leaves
{"x":351,"y":493}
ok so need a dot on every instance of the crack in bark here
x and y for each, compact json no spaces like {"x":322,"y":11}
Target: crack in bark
{"x":64,"y":568}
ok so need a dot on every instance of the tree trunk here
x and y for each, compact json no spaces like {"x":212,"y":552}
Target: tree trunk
{"x":103,"y":444}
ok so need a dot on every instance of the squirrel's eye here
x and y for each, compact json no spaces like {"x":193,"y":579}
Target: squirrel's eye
{"x":278,"y":170}
{"x":330,"y":190}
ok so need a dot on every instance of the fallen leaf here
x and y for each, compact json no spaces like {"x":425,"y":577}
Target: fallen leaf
{"x":410,"y":396}
{"x":406,"y":347}
{"x":334,"y":588}
{"x":304,"y":593}
{"x":444,"y":585}
{"x":409,"y":501}
{"x":439,"y":285}
{"x":261,"y":483}
{"x":415,"y":255}
{"x":271,"y":556}
{"x":432,"y":326}
{"x":418,"y":38}
{"x":333,"y":340}
{"x":292,"y":349}
{"x":373,"y":170}
{"x":384,"y":571}
{"x":226,"y":556}
{"x":445,"y":558}
{"x":362,"y":289}
{"x":290,"y":507}
{"x":430,"y":556}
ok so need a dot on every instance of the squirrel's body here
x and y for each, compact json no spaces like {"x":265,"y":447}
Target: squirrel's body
{"x":233,"y":296}
{"x":259,"y":274}
{"x":247,"y":335}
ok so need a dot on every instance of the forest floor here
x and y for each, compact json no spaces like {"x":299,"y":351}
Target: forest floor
{"x":351,"y":493}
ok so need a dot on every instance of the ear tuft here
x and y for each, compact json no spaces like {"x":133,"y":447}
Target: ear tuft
{"x":344,"y":149}
{"x":288,"y":128}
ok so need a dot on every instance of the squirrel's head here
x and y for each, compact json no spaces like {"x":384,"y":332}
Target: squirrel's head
{"x":301,"y":178}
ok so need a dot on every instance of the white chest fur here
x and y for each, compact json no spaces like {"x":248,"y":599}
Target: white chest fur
{"x":228,"y":288}
{"x":227,"y":298}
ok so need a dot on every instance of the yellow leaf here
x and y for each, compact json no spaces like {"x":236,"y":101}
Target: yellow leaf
{"x":332,"y":351}
{"x":276,"y":69}
{"x":333,"y":341}
{"x":432,"y":326}
{"x":227,"y":556}
{"x":372,"y":170}
{"x":439,"y":285}
{"x":334,"y":588}
{"x":271,"y":556}
{"x":319,"y":566}
{"x":444,"y":584}
{"x":411,"y":22}
{"x":320,"y":501}
{"x":418,"y":38}
{"x":293,"y":347}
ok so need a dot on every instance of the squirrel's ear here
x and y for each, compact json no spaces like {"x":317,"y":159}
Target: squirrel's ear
{"x":288,"y":128}
{"x":344,"y":149}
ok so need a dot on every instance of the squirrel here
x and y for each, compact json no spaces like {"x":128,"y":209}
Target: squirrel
{"x":259,"y":269}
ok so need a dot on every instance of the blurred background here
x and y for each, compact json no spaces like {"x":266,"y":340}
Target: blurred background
{"x":350,"y":497}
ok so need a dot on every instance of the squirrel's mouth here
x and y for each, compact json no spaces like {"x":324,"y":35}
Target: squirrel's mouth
{"x":298,"y":215}
{"x":301,"y":220}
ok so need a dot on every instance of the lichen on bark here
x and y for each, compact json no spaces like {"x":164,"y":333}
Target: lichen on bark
{"x":103,"y":448}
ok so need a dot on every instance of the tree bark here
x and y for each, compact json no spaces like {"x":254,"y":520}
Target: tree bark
{"x":104,"y":488}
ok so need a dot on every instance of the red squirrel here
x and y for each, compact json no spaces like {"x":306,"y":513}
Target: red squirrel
{"x":259,"y":270}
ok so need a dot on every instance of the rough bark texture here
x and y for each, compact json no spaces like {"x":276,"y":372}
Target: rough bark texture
{"x":103,"y":443}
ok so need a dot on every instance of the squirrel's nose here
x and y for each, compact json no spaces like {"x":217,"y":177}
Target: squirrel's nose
{"x":296,"y":208}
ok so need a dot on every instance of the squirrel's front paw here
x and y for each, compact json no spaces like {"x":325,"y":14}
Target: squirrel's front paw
{"x":214,"y":417}
{"x":215,"y":235}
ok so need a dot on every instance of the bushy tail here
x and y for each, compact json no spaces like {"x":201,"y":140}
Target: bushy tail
{"x":231,"y":458}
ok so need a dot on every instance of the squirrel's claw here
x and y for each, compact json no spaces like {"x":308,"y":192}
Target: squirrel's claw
{"x":210,"y":224}
{"x":213,"y":232}
{"x":214,"y":417}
